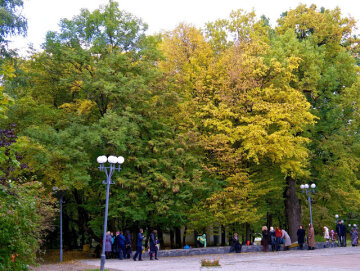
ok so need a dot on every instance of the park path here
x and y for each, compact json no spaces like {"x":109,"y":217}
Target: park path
{"x":320,"y":260}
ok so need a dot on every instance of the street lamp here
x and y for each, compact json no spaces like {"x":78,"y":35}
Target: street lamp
{"x":305,"y":187}
{"x":109,"y":170}
{"x":60,"y":194}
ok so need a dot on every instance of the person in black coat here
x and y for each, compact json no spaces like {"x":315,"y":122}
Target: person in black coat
{"x":128,"y":244}
{"x":153,"y":245}
{"x":139,"y":241}
{"x":343,"y":233}
{"x":301,"y":237}
{"x":265,"y":238}
{"x":235,"y":246}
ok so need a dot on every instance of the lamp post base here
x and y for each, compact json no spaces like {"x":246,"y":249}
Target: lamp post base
{"x":102,"y":263}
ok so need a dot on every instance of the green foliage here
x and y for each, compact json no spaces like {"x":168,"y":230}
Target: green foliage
{"x":211,"y":124}
{"x":26,"y":213}
{"x":11,"y":22}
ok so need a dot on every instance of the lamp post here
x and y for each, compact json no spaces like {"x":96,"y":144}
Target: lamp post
{"x":60,"y":194}
{"x":109,"y":171}
{"x":306,"y":188}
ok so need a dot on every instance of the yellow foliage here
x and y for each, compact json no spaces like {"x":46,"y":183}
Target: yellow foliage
{"x":80,"y":107}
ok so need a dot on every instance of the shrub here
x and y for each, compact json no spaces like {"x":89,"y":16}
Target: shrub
{"x":26,"y":213}
{"x":205,"y":262}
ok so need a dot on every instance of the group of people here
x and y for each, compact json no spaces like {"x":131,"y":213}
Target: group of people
{"x":341,"y":234}
{"x":275,"y":237}
{"x":278,"y":237}
{"x":119,"y":246}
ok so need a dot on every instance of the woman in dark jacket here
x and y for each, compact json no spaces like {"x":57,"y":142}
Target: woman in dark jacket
{"x":265,"y":238}
{"x":301,"y":237}
{"x":236,"y":246}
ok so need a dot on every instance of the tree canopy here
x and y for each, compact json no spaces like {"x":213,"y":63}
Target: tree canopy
{"x":218,"y":126}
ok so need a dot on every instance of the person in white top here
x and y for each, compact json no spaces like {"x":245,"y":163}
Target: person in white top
{"x":326,"y":234}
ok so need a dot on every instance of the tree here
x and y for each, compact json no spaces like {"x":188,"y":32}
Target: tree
{"x":26,"y":209}
{"x":243,"y":110}
{"x":11,"y":23}
{"x":97,"y":84}
{"x":326,"y":75}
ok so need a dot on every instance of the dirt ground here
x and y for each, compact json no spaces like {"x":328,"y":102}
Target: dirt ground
{"x":66,"y":266}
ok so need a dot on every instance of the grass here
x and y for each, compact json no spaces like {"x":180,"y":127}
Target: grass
{"x":52,"y":256}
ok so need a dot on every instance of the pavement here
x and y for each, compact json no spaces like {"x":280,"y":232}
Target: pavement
{"x":328,"y":259}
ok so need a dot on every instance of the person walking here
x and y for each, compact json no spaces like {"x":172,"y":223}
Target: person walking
{"x":265,"y":238}
{"x":120,"y":243}
{"x":235,"y":246}
{"x":301,"y":237}
{"x":341,"y":232}
{"x":326,"y":234}
{"x":108,"y":242}
{"x":311,"y":237}
{"x":354,"y":237}
{"x":272,"y":239}
{"x":287,"y":239}
{"x":139,"y":241}
{"x":278,"y":234}
{"x":153,"y":245}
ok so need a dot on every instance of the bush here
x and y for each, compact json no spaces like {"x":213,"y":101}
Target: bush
{"x":205,"y":262}
{"x":26,"y":213}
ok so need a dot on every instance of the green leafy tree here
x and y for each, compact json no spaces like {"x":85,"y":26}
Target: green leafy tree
{"x":327,"y":74}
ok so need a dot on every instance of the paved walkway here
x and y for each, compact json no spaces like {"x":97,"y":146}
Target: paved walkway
{"x":321,"y":260}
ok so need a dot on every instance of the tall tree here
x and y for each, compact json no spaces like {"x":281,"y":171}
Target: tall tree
{"x":326,"y":75}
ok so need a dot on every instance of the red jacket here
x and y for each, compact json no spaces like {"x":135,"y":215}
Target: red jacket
{"x":278,"y":232}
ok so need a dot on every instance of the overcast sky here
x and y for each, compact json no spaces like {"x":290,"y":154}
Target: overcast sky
{"x":44,"y":15}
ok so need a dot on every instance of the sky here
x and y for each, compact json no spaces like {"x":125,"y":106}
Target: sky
{"x":45,"y":15}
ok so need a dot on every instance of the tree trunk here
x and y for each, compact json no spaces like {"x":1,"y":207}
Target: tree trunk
{"x":172,"y":239}
{"x":223,"y":236}
{"x":247,"y":232}
{"x":161,"y":237}
{"x":178,"y":237}
{"x":184,"y":236}
{"x":269,"y":220}
{"x":292,"y":208}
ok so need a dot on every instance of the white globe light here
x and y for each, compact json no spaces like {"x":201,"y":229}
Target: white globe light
{"x":313,"y":186}
{"x":120,"y":159}
{"x":355,"y":225}
{"x":302,"y":186}
{"x":336,"y":216}
{"x":112,"y":159}
{"x":102,"y":159}
{"x":306,"y":186}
